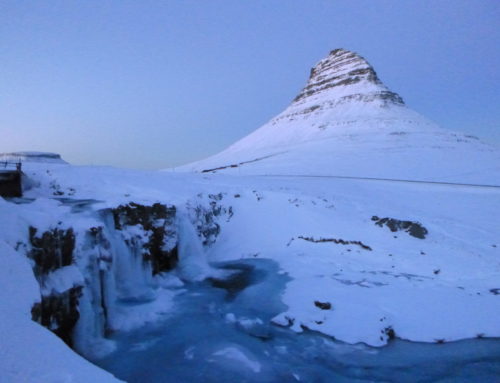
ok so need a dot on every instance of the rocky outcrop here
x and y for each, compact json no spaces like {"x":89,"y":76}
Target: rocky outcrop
{"x":157,"y":221}
{"x":415,"y":229}
{"x":59,"y":313}
{"x":339,"y":241}
{"x":58,"y":308}
{"x":51,"y":250}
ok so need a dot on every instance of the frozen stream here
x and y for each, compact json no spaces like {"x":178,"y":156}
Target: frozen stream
{"x":220,"y":332}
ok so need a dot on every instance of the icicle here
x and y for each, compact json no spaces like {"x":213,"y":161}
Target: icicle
{"x":133,"y":276}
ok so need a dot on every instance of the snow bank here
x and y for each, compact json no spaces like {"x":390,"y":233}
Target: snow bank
{"x":29,"y":352}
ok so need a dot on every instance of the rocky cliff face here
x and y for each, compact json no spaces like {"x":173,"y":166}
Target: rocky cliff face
{"x":106,"y":273}
{"x":51,"y":252}
{"x":85,"y":272}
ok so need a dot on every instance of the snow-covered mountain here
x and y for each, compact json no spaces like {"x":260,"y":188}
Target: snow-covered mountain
{"x":346,"y":122}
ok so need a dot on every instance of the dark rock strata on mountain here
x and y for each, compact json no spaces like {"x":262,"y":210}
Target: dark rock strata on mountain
{"x":344,"y":68}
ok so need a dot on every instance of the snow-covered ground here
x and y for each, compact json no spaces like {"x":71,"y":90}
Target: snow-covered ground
{"x":363,"y":283}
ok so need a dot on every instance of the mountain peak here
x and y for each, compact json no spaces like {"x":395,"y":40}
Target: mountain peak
{"x":346,"y":76}
{"x":346,"y":122}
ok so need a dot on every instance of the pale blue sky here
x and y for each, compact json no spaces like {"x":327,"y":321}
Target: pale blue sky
{"x":152,"y":84}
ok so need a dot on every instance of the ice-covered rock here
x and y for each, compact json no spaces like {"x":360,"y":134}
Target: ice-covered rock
{"x":99,"y":274}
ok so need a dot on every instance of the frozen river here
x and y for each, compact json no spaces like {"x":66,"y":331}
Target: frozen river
{"x":221,"y":332}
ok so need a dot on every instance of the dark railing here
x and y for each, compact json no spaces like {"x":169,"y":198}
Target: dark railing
{"x":9,"y":165}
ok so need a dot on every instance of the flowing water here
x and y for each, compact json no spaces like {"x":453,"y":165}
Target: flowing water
{"x":221,"y":332}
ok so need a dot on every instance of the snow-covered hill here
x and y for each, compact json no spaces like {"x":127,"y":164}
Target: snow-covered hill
{"x":346,"y":122}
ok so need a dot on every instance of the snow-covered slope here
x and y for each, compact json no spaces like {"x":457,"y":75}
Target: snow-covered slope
{"x":29,"y":352}
{"x":346,"y":122}
{"x":425,"y":269}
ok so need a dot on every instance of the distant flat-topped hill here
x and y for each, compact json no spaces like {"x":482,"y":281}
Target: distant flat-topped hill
{"x":32,"y":157}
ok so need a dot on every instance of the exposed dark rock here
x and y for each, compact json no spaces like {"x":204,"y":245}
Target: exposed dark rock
{"x":323,"y":305}
{"x":304,"y":327}
{"x":337,"y":241}
{"x":415,"y":229}
{"x":59,"y":313}
{"x":161,"y":259}
{"x":290,"y":321}
{"x":157,"y":221}
{"x":311,"y":109}
{"x":136,"y":214}
{"x":391,"y":334}
{"x":52,"y":250}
